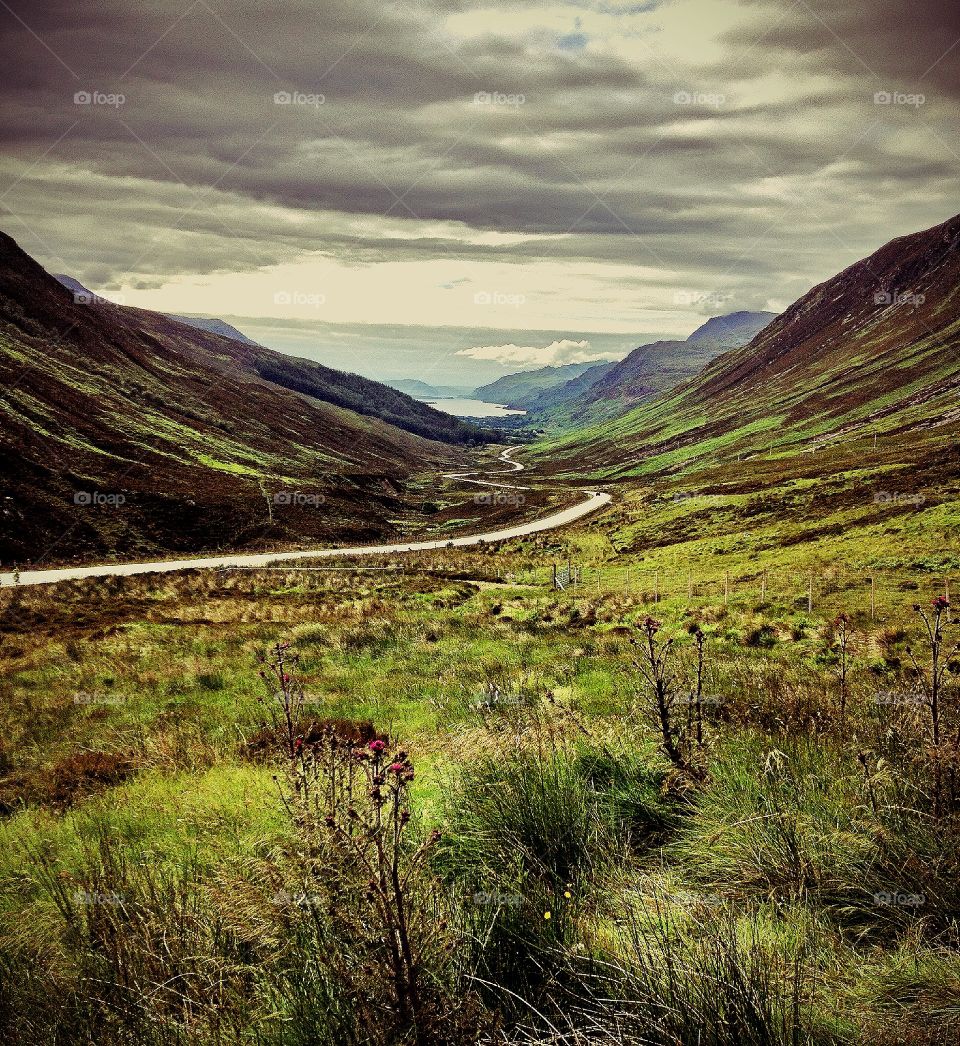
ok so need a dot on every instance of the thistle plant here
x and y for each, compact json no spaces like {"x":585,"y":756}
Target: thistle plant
{"x":655,"y":664}
{"x":350,"y":804}
{"x":281,"y":671}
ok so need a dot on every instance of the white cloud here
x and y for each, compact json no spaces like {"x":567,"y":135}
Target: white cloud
{"x":555,"y":354}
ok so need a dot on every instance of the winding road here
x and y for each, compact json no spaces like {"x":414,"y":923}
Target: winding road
{"x":594,"y":500}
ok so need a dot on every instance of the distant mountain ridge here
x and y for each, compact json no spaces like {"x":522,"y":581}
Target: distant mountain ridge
{"x":73,"y":285}
{"x":522,"y":388}
{"x":609,"y":390}
{"x":204,"y":323}
{"x":424,"y":391}
{"x":214,"y":326}
{"x":732,"y":330}
{"x":662,"y":365}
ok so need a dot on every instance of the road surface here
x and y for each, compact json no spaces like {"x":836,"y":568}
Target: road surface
{"x":594,"y":500}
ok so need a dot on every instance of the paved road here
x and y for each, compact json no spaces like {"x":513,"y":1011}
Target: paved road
{"x":593,"y":501}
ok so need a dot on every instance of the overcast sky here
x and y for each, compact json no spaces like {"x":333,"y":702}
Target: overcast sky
{"x":482,"y":185}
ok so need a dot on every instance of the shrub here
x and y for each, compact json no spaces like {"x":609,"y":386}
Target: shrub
{"x":69,"y":779}
{"x":270,"y":741}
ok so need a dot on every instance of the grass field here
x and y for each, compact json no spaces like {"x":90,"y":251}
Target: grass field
{"x":182,"y":863}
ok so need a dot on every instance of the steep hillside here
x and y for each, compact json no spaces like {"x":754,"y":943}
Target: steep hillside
{"x":125,"y":431}
{"x":521,"y":390}
{"x":870,"y":354}
{"x":362,"y":395}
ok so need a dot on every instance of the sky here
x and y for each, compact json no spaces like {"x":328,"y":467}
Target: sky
{"x":452,"y":190}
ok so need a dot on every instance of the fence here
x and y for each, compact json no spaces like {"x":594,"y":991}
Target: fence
{"x":567,"y":576}
{"x":825,"y":590}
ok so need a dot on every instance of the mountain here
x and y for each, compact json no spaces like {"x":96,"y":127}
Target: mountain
{"x":613,"y":389}
{"x":203,"y":323}
{"x":733,"y":330}
{"x":570,"y":391}
{"x":521,"y":389}
{"x":214,"y":326}
{"x":125,"y":431}
{"x":870,"y":354}
{"x":662,"y":365}
{"x":74,"y":286}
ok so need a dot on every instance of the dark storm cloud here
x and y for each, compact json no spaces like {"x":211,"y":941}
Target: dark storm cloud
{"x":599,"y":154}
{"x":915,"y":46}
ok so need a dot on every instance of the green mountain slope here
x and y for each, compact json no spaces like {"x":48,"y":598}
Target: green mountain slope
{"x":124,"y":431}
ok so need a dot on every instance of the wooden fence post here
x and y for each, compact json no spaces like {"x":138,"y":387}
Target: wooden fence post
{"x":763,"y":586}
{"x":656,"y":587}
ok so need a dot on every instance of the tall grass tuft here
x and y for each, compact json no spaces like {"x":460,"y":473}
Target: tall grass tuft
{"x":668,"y":983}
{"x":526,"y":833}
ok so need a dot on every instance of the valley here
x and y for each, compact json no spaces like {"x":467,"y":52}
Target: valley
{"x":645,"y":731}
